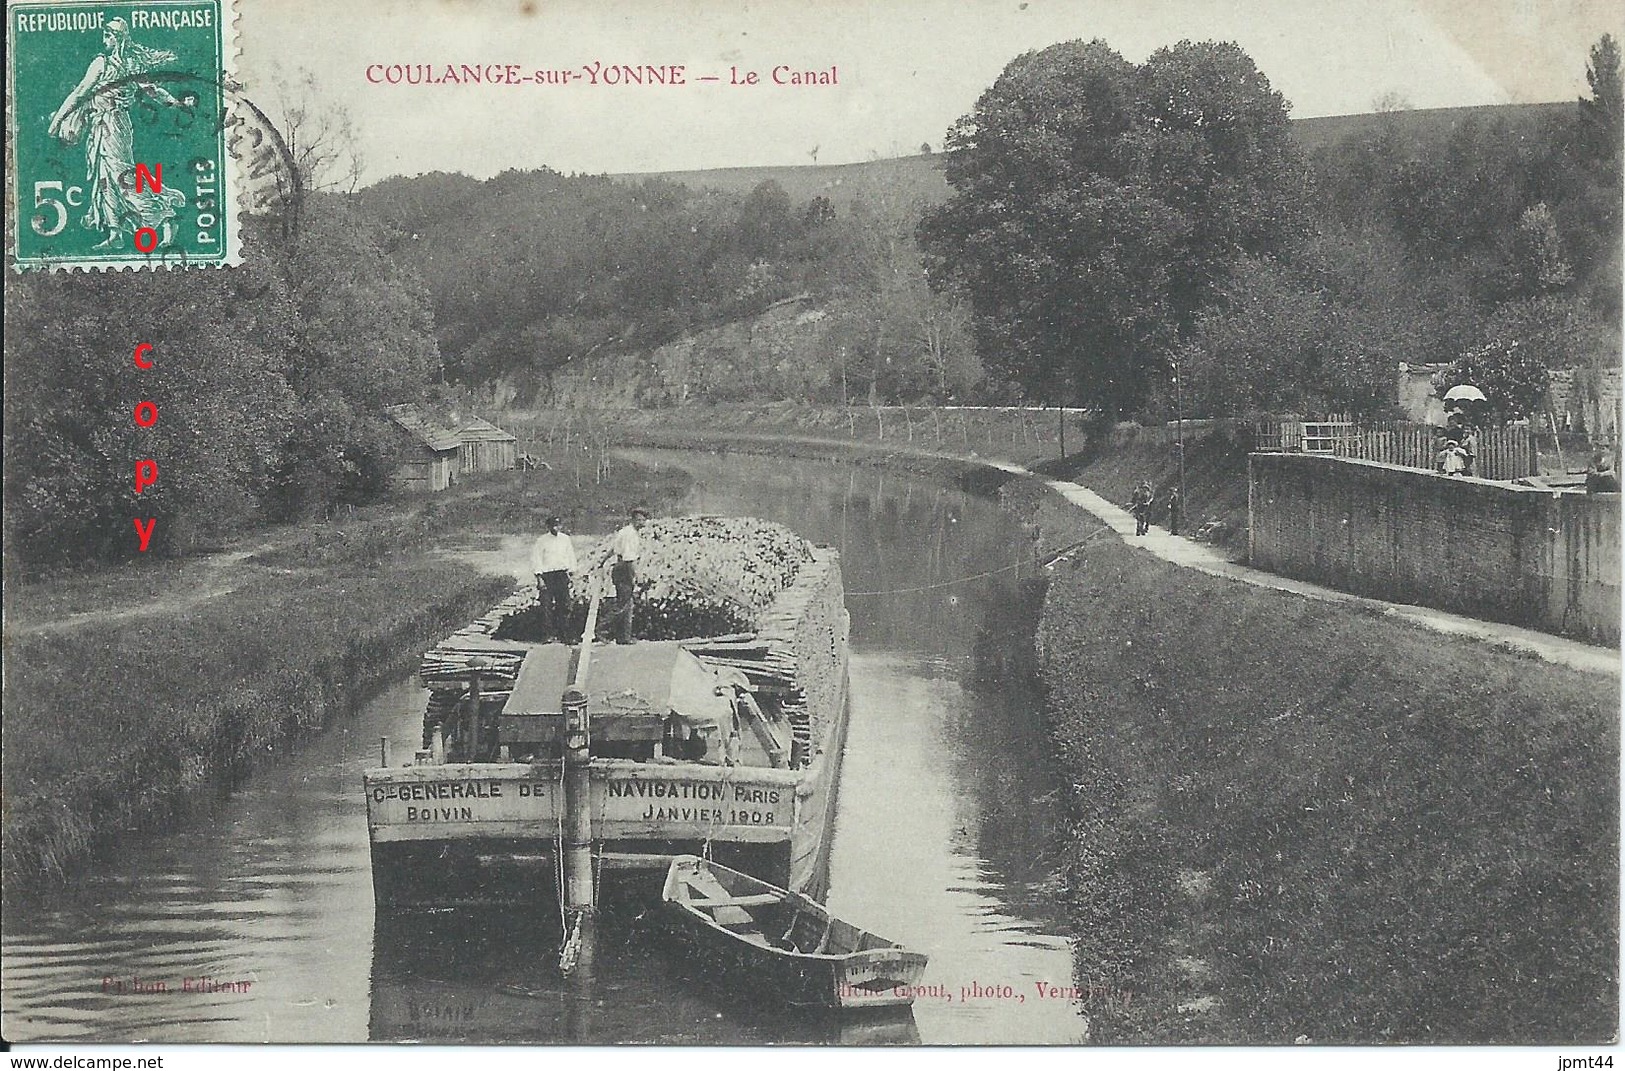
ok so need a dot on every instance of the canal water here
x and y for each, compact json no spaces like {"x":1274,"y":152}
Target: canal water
{"x":944,"y":841}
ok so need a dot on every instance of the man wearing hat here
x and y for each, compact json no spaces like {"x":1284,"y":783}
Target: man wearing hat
{"x":624,"y":551}
{"x":552,"y":559}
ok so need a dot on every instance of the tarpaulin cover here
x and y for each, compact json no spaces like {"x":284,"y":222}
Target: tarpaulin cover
{"x":651,"y":677}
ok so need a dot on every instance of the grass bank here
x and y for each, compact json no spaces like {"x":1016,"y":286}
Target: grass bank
{"x":116,"y":726}
{"x":1292,"y":819}
{"x":119,"y":720}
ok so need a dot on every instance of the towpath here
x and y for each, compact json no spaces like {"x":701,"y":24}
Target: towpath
{"x":1208,"y":559}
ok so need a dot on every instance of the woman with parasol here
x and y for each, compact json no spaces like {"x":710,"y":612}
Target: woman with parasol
{"x":1462,"y":406}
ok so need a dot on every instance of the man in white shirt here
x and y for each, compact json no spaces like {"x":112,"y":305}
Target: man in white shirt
{"x":624,"y":551}
{"x":552,"y":559}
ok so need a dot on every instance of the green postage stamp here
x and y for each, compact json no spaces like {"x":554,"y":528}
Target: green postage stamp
{"x":118,"y":125}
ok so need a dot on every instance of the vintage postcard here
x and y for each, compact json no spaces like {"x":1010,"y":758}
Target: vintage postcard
{"x":881,"y":522}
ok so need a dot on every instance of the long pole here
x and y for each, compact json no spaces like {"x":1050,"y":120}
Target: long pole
{"x":578,"y":890}
{"x":579,"y":894}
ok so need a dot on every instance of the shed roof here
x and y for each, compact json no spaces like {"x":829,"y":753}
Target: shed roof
{"x":477,"y":429}
{"x":416,"y":422}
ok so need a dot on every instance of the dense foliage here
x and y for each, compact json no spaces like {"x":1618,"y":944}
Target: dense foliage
{"x":1503,"y":235}
{"x":1111,"y":226}
{"x":269,"y":381}
{"x":1099,"y":206}
{"x":1116,"y":225}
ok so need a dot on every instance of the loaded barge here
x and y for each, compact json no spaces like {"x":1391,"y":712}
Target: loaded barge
{"x":543,"y":764}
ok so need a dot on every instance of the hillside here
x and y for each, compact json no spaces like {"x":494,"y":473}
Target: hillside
{"x":920,"y":177}
{"x":1419,"y":127}
{"x":909,"y":178}
{"x":541,"y":281}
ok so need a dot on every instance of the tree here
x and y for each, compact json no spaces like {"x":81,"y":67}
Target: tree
{"x":1258,"y":350}
{"x":1099,"y":204}
{"x":819,"y":213}
{"x":320,"y":137}
{"x":764,"y":219}
{"x":364,"y":339}
{"x":1602,"y":115}
{"x":72,"y":387}
{"x":1539,"y":265}
{"x":893,"y":334}
{"x":1511,"y":375}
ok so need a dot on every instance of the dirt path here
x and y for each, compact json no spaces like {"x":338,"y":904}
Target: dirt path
{"x":206,"y":578}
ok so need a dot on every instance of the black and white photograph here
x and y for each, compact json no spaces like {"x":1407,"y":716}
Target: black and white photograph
{"x":1082,"y":525}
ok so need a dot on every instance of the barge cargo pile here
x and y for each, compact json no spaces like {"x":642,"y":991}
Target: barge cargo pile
{"x":719,"y":732}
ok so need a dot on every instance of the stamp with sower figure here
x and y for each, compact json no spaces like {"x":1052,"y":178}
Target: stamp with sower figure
{"x":120,"y":123}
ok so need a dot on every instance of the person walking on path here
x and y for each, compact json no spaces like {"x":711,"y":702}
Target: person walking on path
{"x":1140,"y":505}
{"x":552,"y":559}
{"x":624,"y":551}
{"x":1176,"y":507}
{"x":1469,"y":452}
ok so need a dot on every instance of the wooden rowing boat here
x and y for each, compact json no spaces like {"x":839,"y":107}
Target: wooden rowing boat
{"x":783,"y":943}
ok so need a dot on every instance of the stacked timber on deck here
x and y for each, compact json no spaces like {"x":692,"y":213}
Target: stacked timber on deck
{"x":795,"y":654}
{"x":448,"y":665}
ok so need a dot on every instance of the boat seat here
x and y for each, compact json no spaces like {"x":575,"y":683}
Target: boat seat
{"x":755,"y":900}
{"x":726,"y":914}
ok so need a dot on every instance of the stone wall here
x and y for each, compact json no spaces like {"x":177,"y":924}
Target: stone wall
{"x":1526,"y":556}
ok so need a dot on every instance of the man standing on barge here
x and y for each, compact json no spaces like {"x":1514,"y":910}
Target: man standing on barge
{"x":552,"y":559}
{"x":624,"y":551}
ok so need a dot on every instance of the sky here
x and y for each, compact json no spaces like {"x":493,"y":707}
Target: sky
{"x":905,"y":69}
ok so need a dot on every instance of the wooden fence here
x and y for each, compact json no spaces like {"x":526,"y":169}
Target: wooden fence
{"x":1504,"y":453}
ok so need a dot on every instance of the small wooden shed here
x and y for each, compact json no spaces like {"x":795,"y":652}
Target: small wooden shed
{"x":484,"y":447}
{"x":427,"y":458}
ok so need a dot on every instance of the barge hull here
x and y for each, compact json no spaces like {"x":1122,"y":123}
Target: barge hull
{"x":486,"y":833}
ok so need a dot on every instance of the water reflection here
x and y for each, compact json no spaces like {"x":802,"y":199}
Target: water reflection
{"x":271,"y":887}
{"x":946,"y":820}
{"x":495,"y":978}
